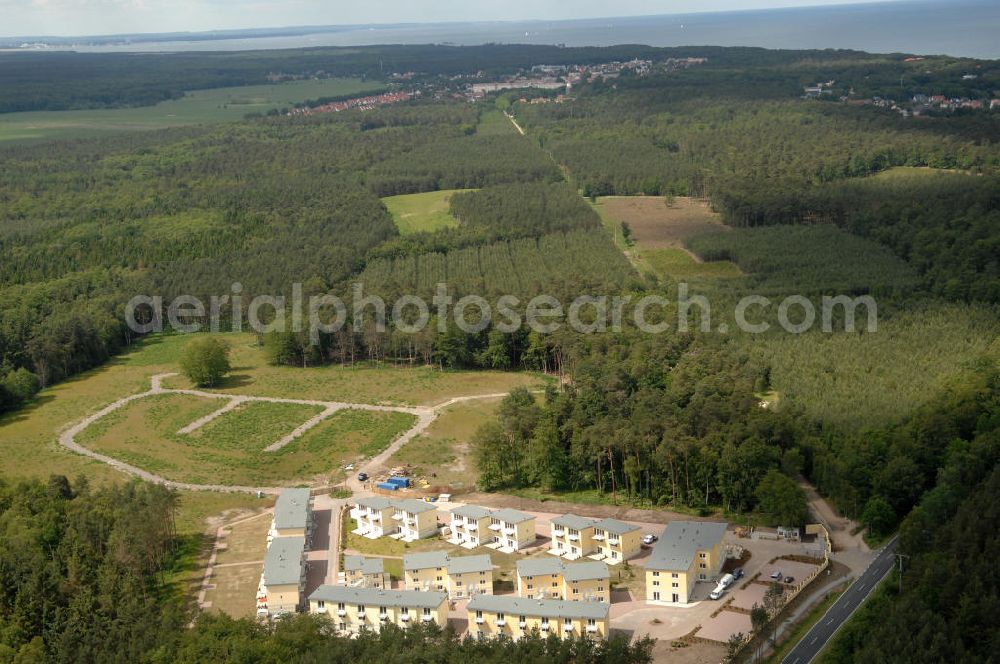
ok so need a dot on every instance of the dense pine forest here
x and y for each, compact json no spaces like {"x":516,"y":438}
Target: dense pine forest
{"x":897,"y":428}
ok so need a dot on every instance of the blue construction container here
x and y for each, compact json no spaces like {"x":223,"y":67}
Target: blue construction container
{"x":402,"y":482}
{"x":388,"y":486}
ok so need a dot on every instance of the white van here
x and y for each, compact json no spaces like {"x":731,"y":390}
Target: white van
{"x":724,"y":584}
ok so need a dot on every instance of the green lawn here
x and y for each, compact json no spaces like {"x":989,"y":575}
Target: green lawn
{"x":230,"y":449}
{"x":679,"y":265}
{"x":197,"y":107}
{"x":415,"y":213}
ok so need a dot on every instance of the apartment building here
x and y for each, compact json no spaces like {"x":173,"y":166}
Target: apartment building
{"x":354,"y":609}
{"x":617,"y":541}
{"x":365,"y":572}
{"x":460,"y":576}
{"x":495,"y":615}
{"x":292,"y":515}
{"x":373,"y":517}
{"x":548,"y":578}
{"x":415,"y":519}
{"x":512,"y":530}
{"x":283,"y":579}
{"x":687,"y":552}
{"x":470,"y":526}
{"x":573,"y":536}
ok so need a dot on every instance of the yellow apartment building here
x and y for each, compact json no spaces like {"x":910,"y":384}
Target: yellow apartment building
{"x":292,"y":515}
{"x":548,"y":578}
{"x":617,"y":541}
{"x":415,"y":519}
{"x":459,"y":576}
{"x":373,"y":517}
{"x":512,"y":530}
{"x":495,"y":615}
{"x":687,"y":553}
{"x":469,"y":526}
{"x":365,"y":572}
{"x":572,"y":536}
{"x":354,"y":609}
{"x":283,"y":579}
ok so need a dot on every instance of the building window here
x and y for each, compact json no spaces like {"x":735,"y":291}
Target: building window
{"x":576,"y":591}
{"x":656,"y":573}
{"x":656,"y":583}
{"x":340,"y":606}
{"x":675,"y":575}
{"x":675,"y":585}
{"x":479,"y":614}
{"x":427,"y":611}
{"x":530,"y":587}
{"x":591,"y":622}
{"x":321,"y":604}
{"x":361,"y":608}
{"x":703,"y":555}
{"x":499,"y":616}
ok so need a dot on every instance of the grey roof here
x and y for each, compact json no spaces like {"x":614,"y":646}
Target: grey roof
{"x":374,"y":502}
{"x":416,"y":599}
{"x":291,"y":510}
{"x":681,"y":540}
{"x":283,"y":561}
{"x":471,"y":511}
{"x":511,"y":516}
{"x":539,"y":566}
{"x":364,"y":565}
{"x":543,"y":608}
{"x":615,"y":526}
{"x":425,"y":559}
{"x":573,"y":521}
{"x":464,"y":564}
{"x":586,"y":571}
{"x":457,"y":565}
{"x":413,"y":505}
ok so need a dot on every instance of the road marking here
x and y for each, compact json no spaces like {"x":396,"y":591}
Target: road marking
{"x":813,"y":642}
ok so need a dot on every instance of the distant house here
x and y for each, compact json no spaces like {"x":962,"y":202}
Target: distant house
{"x":686,"y":553}
{"x":365,"y":572}
{"x":549,"y":578}
{"x":284,"y":577}
{"x":573,"y":536}
{"x":352,"y":610}
{"x":470,"y":526}
{"x":460,"y":576}
{"x":417,"y":519}
{"x":514,"y":617}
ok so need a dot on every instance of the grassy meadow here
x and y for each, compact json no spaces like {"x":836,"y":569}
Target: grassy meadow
{"x":197,"y":107}
{"x":418,"y":213}
{"x":29,"y":437}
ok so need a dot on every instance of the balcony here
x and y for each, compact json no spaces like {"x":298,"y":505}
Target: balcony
{"x":544,"y":627}
{"x":509,"y":531}
{"x":591,"y":629}
{"x":573,"y":538}
{"x":472,"y":526}
{"x":480,"y":620}
{"x":405,"y":617}
{"x":522,"y":624}
{"x":341,"y":612}
{"x":501,"y":622}
{"x":495,"y":526}
{"x":397,"y":517}
{"x":427,"y":618}
{"x":558,"y":532}
{"x":597,"y":537}
{"x":614,"y":542}
{"x":567,"y":628}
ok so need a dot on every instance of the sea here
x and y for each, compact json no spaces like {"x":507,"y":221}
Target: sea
{"x":969,"y":28}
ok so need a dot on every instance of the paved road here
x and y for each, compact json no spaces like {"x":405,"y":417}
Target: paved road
{"x":816,"y":638}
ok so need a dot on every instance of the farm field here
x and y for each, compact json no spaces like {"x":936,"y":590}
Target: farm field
{"x":418,"y":213}
{"x":197,"y":107}
{"x":230,"y":449}
{"x":658,"y":232}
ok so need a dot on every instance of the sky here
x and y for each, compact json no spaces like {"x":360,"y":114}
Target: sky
{"x":94,"y":17}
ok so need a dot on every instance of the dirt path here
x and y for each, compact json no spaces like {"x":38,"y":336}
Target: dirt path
{"x":425,"y":417}
{"x":842,"y":530}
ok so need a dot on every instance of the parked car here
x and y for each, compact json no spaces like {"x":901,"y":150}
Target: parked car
{"x":649,"y":539}
{"x":776,"y":575}
{"x":789,"y":579}
{"x":349,"y":467}
{"x":362,"y":477}
{"x":738,"y":573}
